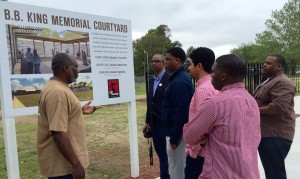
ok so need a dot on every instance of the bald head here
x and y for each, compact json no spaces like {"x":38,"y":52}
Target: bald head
{"x":158,"y":63}
{"x":158,"y":56}
{"x":59,"y":61}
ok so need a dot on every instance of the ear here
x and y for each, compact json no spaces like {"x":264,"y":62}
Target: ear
{"x":279,"y":67}
{"x":224,"y":77}
{"x":199,"y":67}
{"x":66,"y":68}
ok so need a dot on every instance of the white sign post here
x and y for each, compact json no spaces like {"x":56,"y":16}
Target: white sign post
{"x":10,"y":141}
{"x":101,"y":45}
{"x":134,"y":153}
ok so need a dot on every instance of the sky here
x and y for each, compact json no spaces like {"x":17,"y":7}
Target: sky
{"x":19,"y":83}
{"x":38,"y":83}
{"x":216,"y":24}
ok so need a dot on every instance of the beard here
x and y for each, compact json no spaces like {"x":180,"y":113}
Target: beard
{"x":72,"y":78}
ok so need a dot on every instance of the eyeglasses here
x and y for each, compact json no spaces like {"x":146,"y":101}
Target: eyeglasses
{"x":156,"y":61}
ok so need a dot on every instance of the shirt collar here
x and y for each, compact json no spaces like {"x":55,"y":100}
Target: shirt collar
{"x":177,"y":71}
{"x":203,"y":80}
{"x":159,"y":76}
{"x":59,"y":80}
{"x":234,"y":85}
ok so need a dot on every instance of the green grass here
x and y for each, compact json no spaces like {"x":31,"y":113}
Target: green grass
{"x":140,"y":88}
{"x":26,"y":135}
{"x":32,"y":99}
{"x":108,"y":143}
{"x":28,"y":100}
{"x":84,"y":96}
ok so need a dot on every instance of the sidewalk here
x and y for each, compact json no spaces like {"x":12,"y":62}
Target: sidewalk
{"x":293,"y":159}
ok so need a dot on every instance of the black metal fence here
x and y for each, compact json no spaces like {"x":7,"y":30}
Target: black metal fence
{"x":254,"y":76}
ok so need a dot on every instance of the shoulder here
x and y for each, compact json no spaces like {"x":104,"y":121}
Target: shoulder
{"x":55,"y":89}
{"x":167,"y":74}
{"x":283,"y":80}
{"x":183,"y":76}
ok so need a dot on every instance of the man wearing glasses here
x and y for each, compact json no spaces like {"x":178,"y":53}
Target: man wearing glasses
{"x":157,"y":86}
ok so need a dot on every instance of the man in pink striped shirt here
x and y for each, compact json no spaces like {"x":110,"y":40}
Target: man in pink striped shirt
{"x":231,"y":121}
{"x":201,"y":61}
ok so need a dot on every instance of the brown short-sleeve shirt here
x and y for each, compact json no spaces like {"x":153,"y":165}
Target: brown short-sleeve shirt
{"x":59,"y":110}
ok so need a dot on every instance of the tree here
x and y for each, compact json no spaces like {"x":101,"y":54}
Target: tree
{"x":188,"y":52}
{"x":55,"y":35}
{"x":284,"y":31}
{"x":251,"y":52}
{"x":70,"y":35}
{"x":282,"y":36}
{"x":154,"y":41}
{"x":46,"y":32}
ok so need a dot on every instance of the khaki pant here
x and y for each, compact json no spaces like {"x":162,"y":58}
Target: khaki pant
{"x":176,"y":159}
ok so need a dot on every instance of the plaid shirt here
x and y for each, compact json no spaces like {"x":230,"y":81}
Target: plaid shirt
{"x":277,"y":93}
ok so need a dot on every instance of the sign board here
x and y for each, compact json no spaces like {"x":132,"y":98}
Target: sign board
{"x":101,"y":45}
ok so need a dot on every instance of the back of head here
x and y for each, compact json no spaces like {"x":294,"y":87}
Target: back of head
{"x":280,"y":59}
{"x":205,"y":56}
{"x":233,"y":65}
{"x":178,"y":53}
{"x":59,"y":61}
{"x":35,"y":52}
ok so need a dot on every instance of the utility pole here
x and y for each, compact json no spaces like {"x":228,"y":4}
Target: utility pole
{"x":146,"y":74}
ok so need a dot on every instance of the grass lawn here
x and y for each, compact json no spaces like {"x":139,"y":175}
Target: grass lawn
{"x":140,"y":88}
{"x":28,"y":100}
{"x":84,"y":96}
{"x":32,"y":99}
{"x":108,"y":144}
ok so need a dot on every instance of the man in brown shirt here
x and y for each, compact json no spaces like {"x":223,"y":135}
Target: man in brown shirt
{"x":61,"y":141}
{"x":275,"y":98}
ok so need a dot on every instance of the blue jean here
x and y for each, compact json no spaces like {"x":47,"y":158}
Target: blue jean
{"x":272,"y":152}
{"x":69,"y":176}
{"x":193,"y":167}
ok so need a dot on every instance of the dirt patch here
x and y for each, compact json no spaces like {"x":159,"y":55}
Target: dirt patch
{"x":146,"y":170}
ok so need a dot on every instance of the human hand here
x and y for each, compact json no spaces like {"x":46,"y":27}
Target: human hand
{"x":87,"y":109}
{"x":203,"y":140}
{"x":173,"y":146}
{"x":146,"y":127}
{"x":78,"y":172}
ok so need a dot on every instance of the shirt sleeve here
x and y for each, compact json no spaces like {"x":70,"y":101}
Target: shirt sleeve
{"x":57,"y":113}
{"x":281,"y":96}
{"x":182,"y":97}
{"x":201,"y":96}
{"x":202,"y":124}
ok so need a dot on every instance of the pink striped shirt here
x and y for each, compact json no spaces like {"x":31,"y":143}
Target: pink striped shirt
{"x":232,"y":121}
{"x":203,"y":91}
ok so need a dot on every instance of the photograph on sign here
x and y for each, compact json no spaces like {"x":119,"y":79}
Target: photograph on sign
{"x":113,"y":88}
{"x":32,"y":36}
{"x":32,"y":48}
{"x":26,"y":91}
